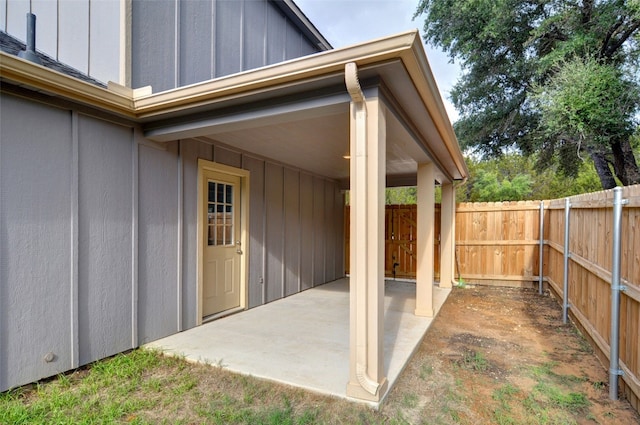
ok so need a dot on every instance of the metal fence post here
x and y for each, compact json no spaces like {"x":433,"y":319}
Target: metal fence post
{"x":614,"y":342}
{"x":541,"y":256}
{"x":565,"y":281}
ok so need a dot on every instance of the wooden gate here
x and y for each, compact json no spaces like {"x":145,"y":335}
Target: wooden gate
{"x":400,"y":234}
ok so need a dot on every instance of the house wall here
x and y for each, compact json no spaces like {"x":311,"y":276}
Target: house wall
{"x":98,"y":236}
{"x":169,"y":43}
{"x":282,"y":260}
{"x":83,"y":34}
{"x":202,"y":40}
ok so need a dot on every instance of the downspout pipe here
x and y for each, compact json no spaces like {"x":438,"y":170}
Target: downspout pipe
{"x":359,"y":103}
{"x":614,"y":341}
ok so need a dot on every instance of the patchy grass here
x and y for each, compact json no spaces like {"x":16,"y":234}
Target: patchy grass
{"x":492,"y":356}
{"x":145,"y":387}
{"x":474,"y":360}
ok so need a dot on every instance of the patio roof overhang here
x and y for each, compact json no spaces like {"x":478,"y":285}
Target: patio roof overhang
{"x":295,"y":112}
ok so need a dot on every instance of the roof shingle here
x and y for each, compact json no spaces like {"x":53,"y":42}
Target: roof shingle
{"x":13,"y":46}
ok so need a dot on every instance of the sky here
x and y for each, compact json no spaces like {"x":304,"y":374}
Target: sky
{"x":345,"y":22}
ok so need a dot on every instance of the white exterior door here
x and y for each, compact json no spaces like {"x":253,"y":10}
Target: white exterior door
{"x":222,"y":250}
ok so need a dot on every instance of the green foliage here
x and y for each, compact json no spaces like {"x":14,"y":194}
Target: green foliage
{"x":475,"y":360}
{"x":492,"y":190}
{"x":554,"y":77}
{"x":515,"y":177}
{"x":588,"y":101}
{"x":551,"y":394}
{"x":401,"y":195}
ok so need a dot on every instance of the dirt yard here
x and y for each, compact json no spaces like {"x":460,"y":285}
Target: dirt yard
{"x":503,"y":356}
{"x":492,"y":356}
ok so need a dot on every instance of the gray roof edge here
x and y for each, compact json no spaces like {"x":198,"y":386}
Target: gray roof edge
{"x":293,"y":12}
{"x":11,"y":45}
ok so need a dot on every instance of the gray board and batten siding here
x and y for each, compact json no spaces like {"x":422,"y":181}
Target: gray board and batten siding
{"x":164,"y":43}
{"x":85,"y":35}
{"x":209,"y":39}
{"x":98,"y":235}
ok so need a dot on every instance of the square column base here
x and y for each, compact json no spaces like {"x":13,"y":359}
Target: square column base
{"x":424,"y":312}
{"x":355,"y":390}
{"x":445,"y":284}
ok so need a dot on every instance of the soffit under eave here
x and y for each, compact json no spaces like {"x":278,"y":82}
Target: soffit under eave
{"x":417,"y":65}
{"x":409,"y":109}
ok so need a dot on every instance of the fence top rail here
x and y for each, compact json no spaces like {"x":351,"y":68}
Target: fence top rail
{"x":493,"y":206}
{"x":601,"y":199}
{"x":558,"y":204}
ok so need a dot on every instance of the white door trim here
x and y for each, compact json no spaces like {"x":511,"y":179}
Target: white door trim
{"x":204,"y":165}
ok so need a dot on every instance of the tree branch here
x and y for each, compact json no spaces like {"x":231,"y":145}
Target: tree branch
{"x":610,"y":33}
{"x":587,"y":8}
{"x":625,"y":36}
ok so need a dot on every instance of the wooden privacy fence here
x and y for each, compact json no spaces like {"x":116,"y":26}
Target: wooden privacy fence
{"x":499,"y":244}
{"x":589,"y":276}
{"x":400,"y":233}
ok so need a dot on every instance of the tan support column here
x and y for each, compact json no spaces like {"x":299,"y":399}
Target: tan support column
{"x":426,"y":211}
{"x":447,"y":236}
{"x":366,"y":285}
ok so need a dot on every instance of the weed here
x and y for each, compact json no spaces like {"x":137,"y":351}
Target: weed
{"x":566,"y":400}
{"x":454,"y":415}
{"x":410,"y":400}
{"x":475,"y":360}
{"x":185,"y":386}
{"x":503,"y":417}
{"x":398,"y":419}
{"x":64,"y":380}
{"x":598,"y":385}
{"x":425,"y":371}
{"x":543,"y":370}
{"x":569,"y":379}
{"x":584,"y":345}
{"x":504,"y":394}
{"x":153,"y":384}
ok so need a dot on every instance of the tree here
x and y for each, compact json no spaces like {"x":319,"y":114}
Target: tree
{"x":401,"y":195}
{"x":516,"y":55}
{"x":589,"y":104}
{"x":514,"y":177}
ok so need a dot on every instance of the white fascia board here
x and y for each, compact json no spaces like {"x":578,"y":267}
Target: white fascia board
{"x":37,"y":77}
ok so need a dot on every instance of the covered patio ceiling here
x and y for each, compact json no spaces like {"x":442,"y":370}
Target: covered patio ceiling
{"x":303,"y":121}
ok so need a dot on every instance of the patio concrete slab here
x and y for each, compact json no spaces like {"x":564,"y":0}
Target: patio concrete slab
{"x":303,"y":340}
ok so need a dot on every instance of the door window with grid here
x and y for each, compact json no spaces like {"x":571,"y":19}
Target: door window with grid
{"x":220,"y":214}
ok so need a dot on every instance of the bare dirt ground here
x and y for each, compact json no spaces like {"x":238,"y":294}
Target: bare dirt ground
{"x":492,"y":356}
{"x":503,"y":356}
